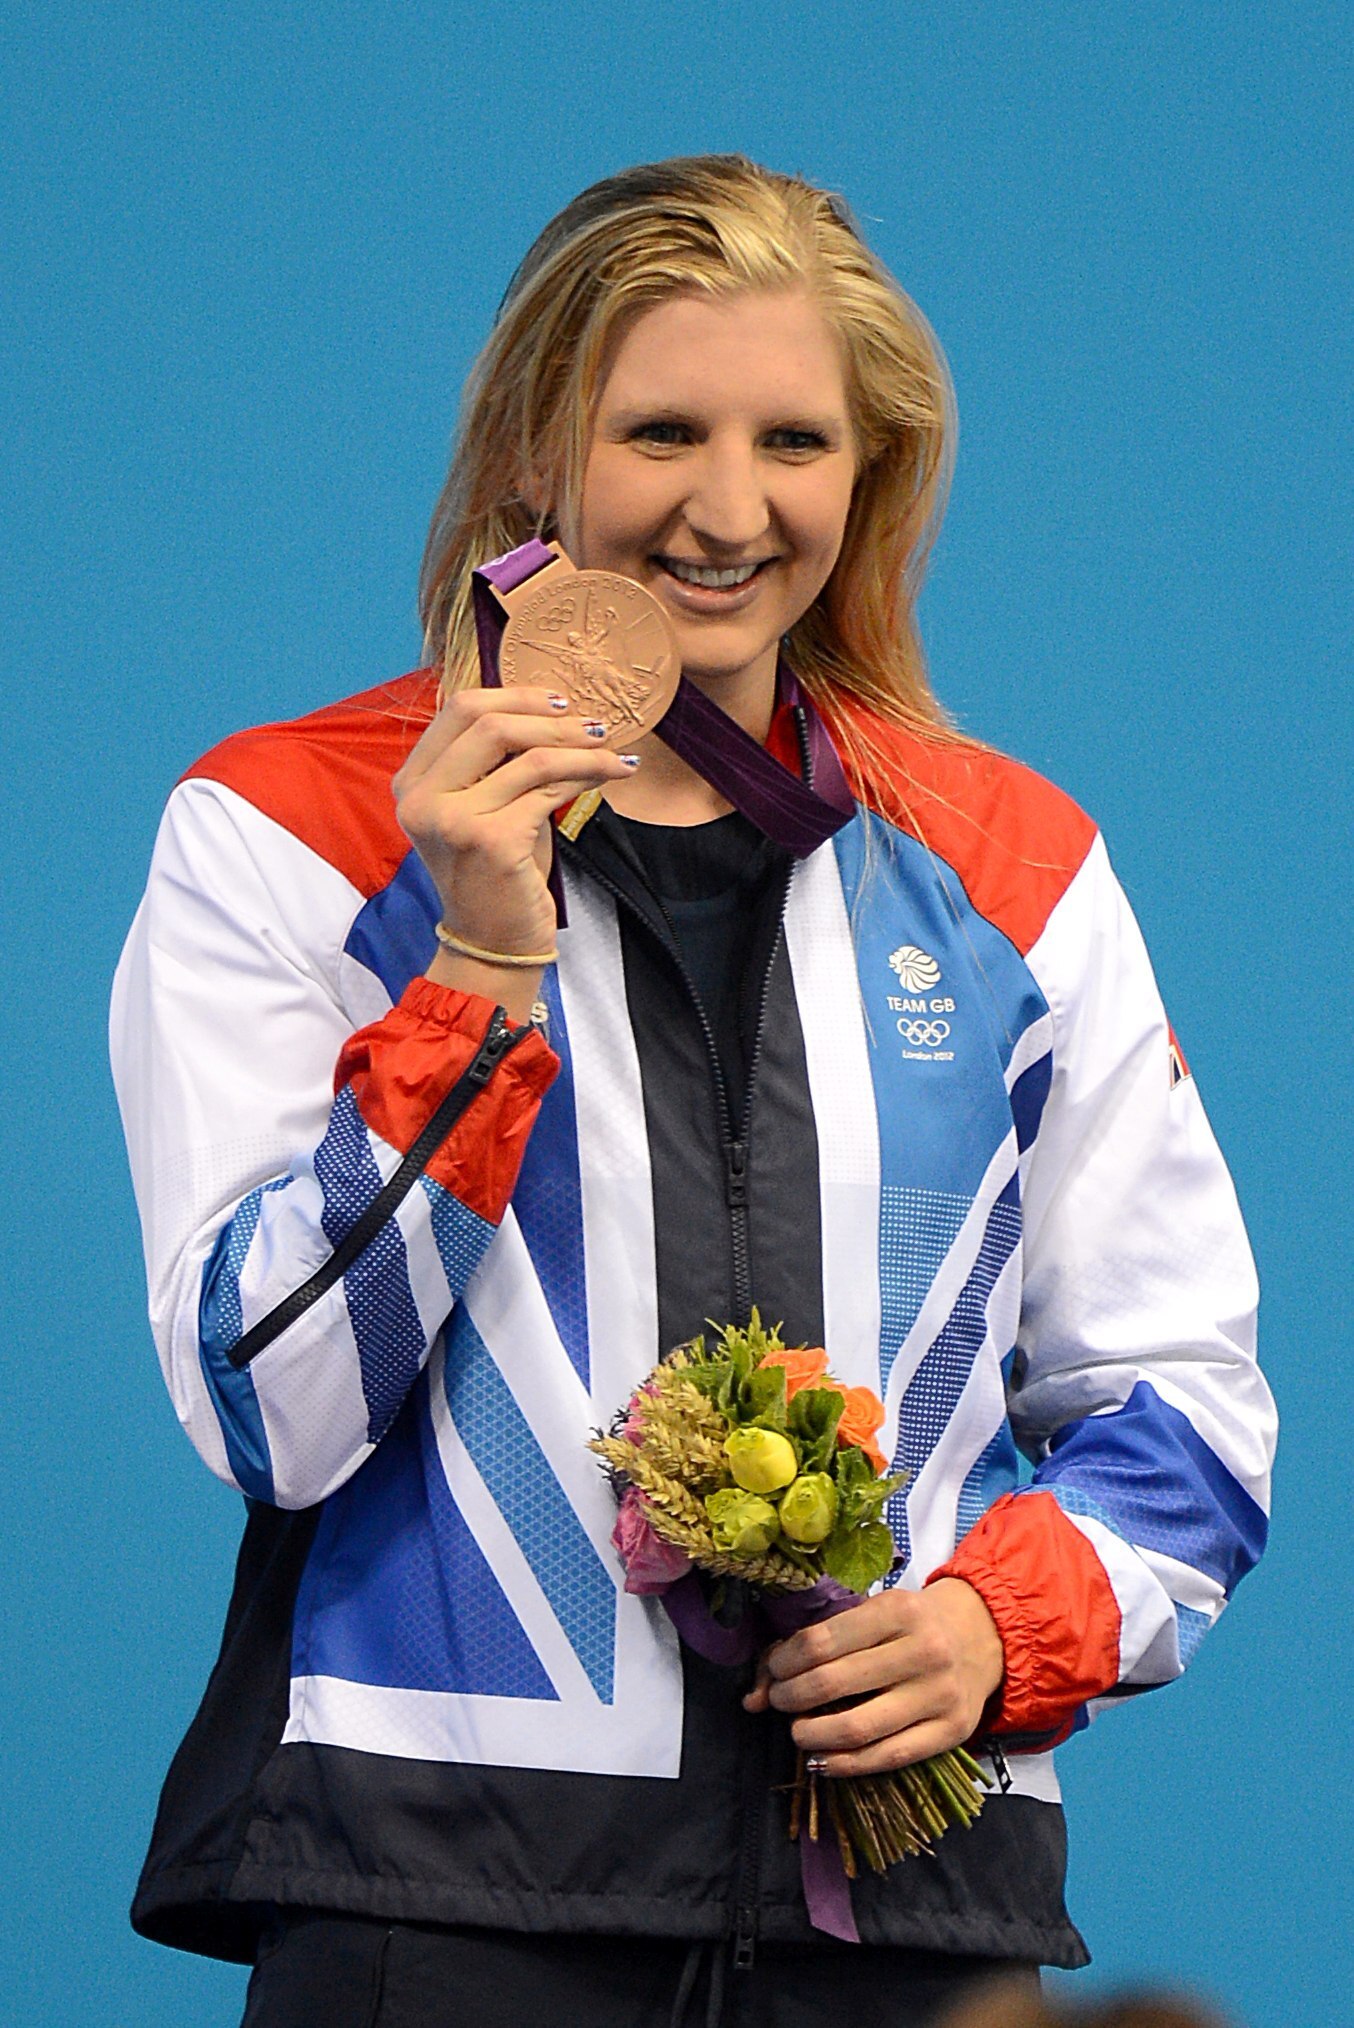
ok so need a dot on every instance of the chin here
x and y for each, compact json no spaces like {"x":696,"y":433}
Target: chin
{"x":714,"y":673}
{"x":701,"y":657}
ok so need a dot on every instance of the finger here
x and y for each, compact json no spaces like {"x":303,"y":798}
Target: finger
{"x":877,"y":1668}
{"x":886,"y":1617}
{"x":494,"y":737}
{"x":898,"y":1749}
{"x":522,"y":794}
{"x":511,"y":837}
{"x":546,"y":773}
{"x":757,"y":1698}
{"x":464,"y":708}
{"x":873,"y":1718}
{"x":497,"y":737}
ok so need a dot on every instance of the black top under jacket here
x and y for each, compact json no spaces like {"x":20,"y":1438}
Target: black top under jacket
{"x":712,"y":881}
{"x":246,"y":1824}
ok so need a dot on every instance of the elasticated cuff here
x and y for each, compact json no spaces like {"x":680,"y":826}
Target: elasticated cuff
{"x":401,"y":1067}
{"x":1053,"y":1606}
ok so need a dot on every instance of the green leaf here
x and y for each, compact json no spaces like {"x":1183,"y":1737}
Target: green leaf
{"x":862,"y":1495}
{"x":877,"y":1495}
{"x":813,"y":1418}
{"x":732,"y":1391}
{"x":766,"y":1397}
{"x":858,"y":1557}
{"x":854,"y":1478}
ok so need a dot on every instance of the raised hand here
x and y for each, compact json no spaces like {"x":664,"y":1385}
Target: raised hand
{"x":475,"y":798}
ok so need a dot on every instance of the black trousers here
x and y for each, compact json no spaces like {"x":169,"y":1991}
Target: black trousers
{"x":321,"y":1971}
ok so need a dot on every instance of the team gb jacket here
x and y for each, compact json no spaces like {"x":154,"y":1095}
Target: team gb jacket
{"x":973,"y":1165}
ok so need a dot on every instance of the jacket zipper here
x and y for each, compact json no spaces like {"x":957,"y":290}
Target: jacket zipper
{"x":733,"y":1144}
{"x":754,"y":1798}
{"x":735,"y":1154}
{"x":756,"y":1774}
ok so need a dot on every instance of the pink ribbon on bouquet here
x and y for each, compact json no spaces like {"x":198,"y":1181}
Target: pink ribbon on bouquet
{"x":827,"y":1891}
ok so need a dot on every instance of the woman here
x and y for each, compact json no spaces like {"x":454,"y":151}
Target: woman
{"x":428,"y":1182}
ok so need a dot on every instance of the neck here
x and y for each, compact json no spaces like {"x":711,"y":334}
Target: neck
{"x":666,"y":789}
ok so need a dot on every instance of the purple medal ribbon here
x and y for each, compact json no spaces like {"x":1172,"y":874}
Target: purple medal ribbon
{"x":503,"y":573}
{"x":797,"y":814}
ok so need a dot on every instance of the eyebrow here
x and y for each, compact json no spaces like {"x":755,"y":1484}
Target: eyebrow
{"x":670,"y":412}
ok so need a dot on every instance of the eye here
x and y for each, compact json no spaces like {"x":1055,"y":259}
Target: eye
{"x":661,"y":432}
{"x":798,"y":442}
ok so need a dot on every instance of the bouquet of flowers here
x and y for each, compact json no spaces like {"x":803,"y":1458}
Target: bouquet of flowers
{"x":752,"y":1489}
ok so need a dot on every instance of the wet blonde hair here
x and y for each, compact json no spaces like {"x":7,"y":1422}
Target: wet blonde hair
{"x":709,"y":224}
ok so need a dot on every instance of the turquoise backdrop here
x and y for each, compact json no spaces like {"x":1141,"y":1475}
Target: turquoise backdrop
{"x":248,"y":254}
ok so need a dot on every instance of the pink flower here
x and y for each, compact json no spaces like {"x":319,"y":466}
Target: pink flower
{"x":632,"y":1429}
{"x":651,"y":1564}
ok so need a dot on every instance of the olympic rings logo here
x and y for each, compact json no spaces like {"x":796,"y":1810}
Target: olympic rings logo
{"x":924,"y":1034}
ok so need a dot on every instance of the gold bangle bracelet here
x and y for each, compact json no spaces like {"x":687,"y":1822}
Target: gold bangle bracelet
{"x":518,"y":961}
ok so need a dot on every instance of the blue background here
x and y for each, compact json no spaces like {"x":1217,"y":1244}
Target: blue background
{"x":250,"y":251}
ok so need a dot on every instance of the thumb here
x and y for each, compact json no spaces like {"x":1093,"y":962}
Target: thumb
{"x":758,"y":1698}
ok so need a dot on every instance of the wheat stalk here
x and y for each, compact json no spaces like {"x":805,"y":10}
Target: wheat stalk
{"x":665,"y":1495}
{"x":696,"y":1409}
{"x":679,"y":1449}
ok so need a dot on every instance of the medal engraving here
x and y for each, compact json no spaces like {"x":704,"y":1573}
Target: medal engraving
{"x":601,"y":639}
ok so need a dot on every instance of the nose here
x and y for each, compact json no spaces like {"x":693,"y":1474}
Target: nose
{"x":727,"y":506}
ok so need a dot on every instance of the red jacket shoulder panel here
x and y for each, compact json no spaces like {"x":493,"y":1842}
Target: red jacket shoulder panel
{"x":326,"y":777}
{"x":1014,"y":839}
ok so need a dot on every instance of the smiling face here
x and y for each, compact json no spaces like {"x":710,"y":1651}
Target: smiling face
{"x":720,"y":477}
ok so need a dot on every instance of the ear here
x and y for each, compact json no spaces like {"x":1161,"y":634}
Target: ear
{"x":531,"y":491}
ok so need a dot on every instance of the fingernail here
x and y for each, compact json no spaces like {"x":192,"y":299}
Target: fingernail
{"x":558,"y":702}
{"x":594,"y":728}
{"x":629,"y":760}
{"x":816,"y":1764}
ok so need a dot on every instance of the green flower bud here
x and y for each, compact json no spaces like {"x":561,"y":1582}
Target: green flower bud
{"x":808,"y":1509}
{"x":743,"y":1525}
{"x":761,"y":1460}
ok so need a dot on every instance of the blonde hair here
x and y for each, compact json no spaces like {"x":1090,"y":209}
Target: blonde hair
{"x":714,"y":224}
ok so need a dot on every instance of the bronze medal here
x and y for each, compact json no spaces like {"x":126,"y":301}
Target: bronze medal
{"x":601,"y":639}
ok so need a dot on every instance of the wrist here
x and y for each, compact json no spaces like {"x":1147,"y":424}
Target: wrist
{"x":983,"y":1649}
{"x":515,"y":988}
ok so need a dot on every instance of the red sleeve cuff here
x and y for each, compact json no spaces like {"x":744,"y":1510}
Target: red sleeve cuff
{"x":1053,"y":1606}
{"x":401,"y":1067}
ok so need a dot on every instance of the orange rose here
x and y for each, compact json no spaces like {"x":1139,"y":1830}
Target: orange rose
{"x":862,"y":1416}
{"x":804,"y":1366}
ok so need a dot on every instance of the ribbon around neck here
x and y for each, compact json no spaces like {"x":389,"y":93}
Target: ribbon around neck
{"x":797,"y":812}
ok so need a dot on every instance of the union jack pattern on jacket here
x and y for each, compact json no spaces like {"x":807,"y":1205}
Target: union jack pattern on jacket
{"x":1029,"y":1244}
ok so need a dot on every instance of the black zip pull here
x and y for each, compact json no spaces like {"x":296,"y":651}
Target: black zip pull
{"x":736,"y":1174}
{"x":499,"y":1038}
{"x":999,"y":1767}
{"x":745,"y":1940}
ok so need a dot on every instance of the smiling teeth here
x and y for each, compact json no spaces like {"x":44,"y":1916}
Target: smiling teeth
{"x":712,"y":580}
